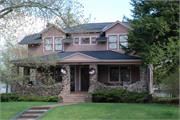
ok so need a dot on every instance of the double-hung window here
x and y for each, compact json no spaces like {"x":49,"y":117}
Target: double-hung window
{"x":113,"y":42}
{"x":58,"y":43}
{"x":48,"y":44}
{"x":123,"y":41}
{"x":76,"y":41}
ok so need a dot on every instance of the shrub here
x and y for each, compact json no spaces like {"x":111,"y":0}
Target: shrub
{"x":7,"y":97}
{"x":115,"y":95}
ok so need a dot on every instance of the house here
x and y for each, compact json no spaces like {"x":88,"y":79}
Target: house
{"x":92,"y":57}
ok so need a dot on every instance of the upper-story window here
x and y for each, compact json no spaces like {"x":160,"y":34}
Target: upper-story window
{"x":85,"y":40}
{"x":76,"y":41}
{"x":48,"y":44}
{"x":93,"y":40}
{"x":113,"y":42}
{"x":123,"y":41}
{"x":58,"y":43}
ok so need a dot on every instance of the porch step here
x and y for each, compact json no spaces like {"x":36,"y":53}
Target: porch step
{"x":32,"y":113}
{"x":77,"y":97}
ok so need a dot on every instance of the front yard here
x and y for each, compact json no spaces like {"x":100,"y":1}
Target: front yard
{"x":10,"y":109}
{"x":113,"y":111}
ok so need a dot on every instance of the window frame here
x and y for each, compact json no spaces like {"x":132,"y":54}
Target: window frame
{"x":55,"y":74}
{"x":110,"y":74}
{"x":48,"y":44}
{"x":58,"y":44}
{"x":119,"y":73}
{"x":113,"y":42}
{"x":95,"y":41}
{"x":84,"y":38}
{"x":75,"y":40}
{"x":129,"y":74}
{"x":122,"y":42}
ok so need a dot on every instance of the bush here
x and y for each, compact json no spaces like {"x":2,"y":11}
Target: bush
{"x":165,"y":100}
{"x":122,"y":96}
{"x":8,"y":97}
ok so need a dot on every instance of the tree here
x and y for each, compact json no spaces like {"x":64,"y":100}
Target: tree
{"x":155,"y":36}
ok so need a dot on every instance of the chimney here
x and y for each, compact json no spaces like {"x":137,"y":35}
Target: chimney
{"x":48,"y":24}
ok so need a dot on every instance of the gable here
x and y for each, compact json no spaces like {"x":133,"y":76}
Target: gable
{"x":53,"y":31}
{"x":79,"y":56}
{"x":118,"y":28}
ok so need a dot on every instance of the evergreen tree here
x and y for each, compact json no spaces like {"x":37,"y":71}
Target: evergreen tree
{"x":155,"y":36}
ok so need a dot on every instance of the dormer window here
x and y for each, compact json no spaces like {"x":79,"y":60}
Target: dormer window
{"x":85,"y":41}
{"x":76,"y":40}
{"x":48,"y":44}
{"x":58,"y":43}
{"x":113,"y":42}
{"x":123,"y":41}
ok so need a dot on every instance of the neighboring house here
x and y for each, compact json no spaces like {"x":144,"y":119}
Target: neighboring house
{"x":88,"y":47}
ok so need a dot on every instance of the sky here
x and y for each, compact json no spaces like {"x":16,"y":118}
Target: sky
{"x":106,"y":10}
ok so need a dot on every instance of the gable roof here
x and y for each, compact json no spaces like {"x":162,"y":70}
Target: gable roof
{"x":52,"y":25}
{"x":32,"y":39}
{"x":100,"y":55}
{"x":125,"y":24}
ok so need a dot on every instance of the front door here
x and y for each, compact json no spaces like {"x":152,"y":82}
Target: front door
{"x":84,"y":79}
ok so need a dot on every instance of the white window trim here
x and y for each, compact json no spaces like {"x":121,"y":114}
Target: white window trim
{"x":117,"y":34}
{"x":90,"y":40}
{"x":53,"y":43}
{"x":122,"y":42}
{"x":119,"y":66}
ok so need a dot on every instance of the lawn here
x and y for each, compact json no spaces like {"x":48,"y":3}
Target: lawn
{"x":10,"y":109}
{"x":113,"y":111}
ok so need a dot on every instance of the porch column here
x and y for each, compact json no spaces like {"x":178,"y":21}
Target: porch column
{"x":65,"y":84}
{"x":143,"y":74}
{"x":93,"y":78}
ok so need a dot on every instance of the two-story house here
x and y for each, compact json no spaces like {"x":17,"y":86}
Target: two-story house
{"x":92,"y":57}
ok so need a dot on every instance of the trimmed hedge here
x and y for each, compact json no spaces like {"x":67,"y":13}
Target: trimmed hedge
{"x":120,"y":96}
{"x":9,"y":97}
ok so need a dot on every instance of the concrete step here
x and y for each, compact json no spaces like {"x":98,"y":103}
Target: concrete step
{"x":40,"y":108}
{"x":24,"y":119}
{"x":36,"y":111}
{"x":29,"y":116}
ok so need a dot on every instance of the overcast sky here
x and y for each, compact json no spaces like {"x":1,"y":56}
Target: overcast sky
{"x":106,"y":10}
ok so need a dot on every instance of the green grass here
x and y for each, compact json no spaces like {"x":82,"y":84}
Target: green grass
{"x":113,"y":111}
{"x":10,"y":109}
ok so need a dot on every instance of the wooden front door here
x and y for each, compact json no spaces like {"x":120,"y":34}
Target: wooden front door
{"x":84,"y":79}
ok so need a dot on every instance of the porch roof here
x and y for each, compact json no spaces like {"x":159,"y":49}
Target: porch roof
{"x":99,"y":55}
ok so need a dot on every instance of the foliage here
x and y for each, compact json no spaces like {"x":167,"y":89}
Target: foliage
{"x":155,"y":36}
{"x":165,"y":100}
{"x":112,"y":111}
{"x":122,"y":96}
{"x":9,"y":97}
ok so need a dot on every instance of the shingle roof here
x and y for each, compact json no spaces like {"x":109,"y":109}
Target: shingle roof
{"x":101,"y":39}
{"x":31,"y":39}
{"x":67,"y":40}
{"x":101,"y":55}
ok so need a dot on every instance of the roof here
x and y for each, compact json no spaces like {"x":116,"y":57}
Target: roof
{"x":32,"y":39}
{"x":101,"y":55}
{"x":67,"y":40}
{"x":101,"y":39}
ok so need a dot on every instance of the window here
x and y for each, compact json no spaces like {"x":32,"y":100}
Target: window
{"x":76,"y":40}
{"x":72,"y":74}
{"x":125,"y":74}
{"x":112,"y":42}
{"x":123,"y":41}
{"x":114,"y":73}
{"x":58,"y":43}
{"x":85,"y":41}
{"x":48,"y":44}
{"x":58,"y":75}
{"x":93,"y":40}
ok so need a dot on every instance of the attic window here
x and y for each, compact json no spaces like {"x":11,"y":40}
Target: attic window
{"x":48,"y":44}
